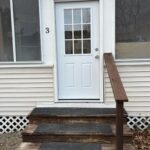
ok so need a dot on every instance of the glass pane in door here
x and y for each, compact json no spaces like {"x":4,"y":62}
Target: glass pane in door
{"x":77,"y":28}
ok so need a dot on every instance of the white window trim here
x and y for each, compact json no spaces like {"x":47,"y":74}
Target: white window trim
{"x":14,"y":39}
{"x":13,"y":30}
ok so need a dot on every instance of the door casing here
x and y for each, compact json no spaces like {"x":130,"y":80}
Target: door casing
{"x":101,"y":62}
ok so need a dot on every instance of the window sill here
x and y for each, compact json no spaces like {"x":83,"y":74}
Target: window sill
{"x":132,"y":62}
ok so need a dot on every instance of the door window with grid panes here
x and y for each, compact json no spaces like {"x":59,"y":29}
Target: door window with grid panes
{"x":77,"y":26}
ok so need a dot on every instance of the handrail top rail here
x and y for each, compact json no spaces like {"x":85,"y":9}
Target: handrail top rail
{"x":116,"y":83}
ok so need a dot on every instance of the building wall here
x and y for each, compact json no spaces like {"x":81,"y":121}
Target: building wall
{"x":136,"y":80}
{"x":21,"y":88}
{"x":24,"y":86}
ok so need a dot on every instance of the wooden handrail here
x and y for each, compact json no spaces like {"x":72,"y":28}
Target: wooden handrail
{"x":119,"y":95}
{"x":117,"y":86}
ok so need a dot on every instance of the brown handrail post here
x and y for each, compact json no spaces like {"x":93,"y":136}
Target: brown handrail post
{"x":119,"y":125}
{"x":119,"y":95}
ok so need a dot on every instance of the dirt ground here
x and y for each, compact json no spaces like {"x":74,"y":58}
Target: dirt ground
{"x":11,"y":141}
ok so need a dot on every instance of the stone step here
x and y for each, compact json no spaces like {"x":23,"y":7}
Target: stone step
{"x":85,"y":133}
{"x":73,"y":115}
{"x":70,"y":146}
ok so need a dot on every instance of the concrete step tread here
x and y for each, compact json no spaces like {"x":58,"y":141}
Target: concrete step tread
{"x":70,"y":146}
{"x":73,"y":129}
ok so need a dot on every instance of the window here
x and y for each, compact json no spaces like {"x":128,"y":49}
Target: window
{"x":77,"y":25}
{"x":133,"y":29}
{"x":19,"y":31}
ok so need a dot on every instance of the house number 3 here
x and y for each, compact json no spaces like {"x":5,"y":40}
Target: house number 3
{"x":47,"y":30}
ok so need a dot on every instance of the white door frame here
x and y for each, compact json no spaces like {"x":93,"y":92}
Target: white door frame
{"x":101,"y":35}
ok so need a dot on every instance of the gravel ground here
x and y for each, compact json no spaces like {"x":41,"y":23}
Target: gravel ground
{"x":11,"y":141}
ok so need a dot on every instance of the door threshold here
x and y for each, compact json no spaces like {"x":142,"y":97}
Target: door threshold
{"x":76,"y":105}
{"x":78,"y":101}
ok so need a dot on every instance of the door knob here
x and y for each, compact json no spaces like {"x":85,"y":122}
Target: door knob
{"x":97,"y":57}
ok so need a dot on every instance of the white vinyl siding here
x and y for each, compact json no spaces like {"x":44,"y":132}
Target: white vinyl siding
{"x":21,"y":89}
{"x":136,"y":80}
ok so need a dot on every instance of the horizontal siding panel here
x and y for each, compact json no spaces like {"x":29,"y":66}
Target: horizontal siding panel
{"x":136,"y":80}
{"x":131,"y":84}
{"x":131,"y":89}
{"x":15,"y":113}
{"x":132,"y":74}
{"x":138,"y":109}
{"x":132,"y":94}
{"x":134,"y":68}
{"x":135,"y":99}
{"x":132,"y":79}
{"x":137,"y":104}
{"x":26,"y":70}
{"x":26,"y":95}
{"x":27,"y":99}
{"x":26,"y":76}
{"x":45,"y":80}
{"x":25,"y":85}
{"x":13,"y":109}
{"x":131,"y":68}
{"x":17,"y":104}
{"x":22,"y":88}
{"x":26,"y":90}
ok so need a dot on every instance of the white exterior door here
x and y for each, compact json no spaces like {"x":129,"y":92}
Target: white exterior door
{"x":77,"y":27}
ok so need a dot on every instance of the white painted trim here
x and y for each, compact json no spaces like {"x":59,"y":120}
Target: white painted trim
{"x":62,"y":1}
{"x":101,"y":84}
{"x":79,"y":101}
{"x":53,"y":17}
{"x":75,"y":105}
{"x":101,"y":34}
{"x":13,"y":30}
{"x":114,"y":28}
{"x":41,"y":35}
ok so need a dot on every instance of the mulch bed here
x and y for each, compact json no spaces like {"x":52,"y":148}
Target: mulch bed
{"x":141,"y":140}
